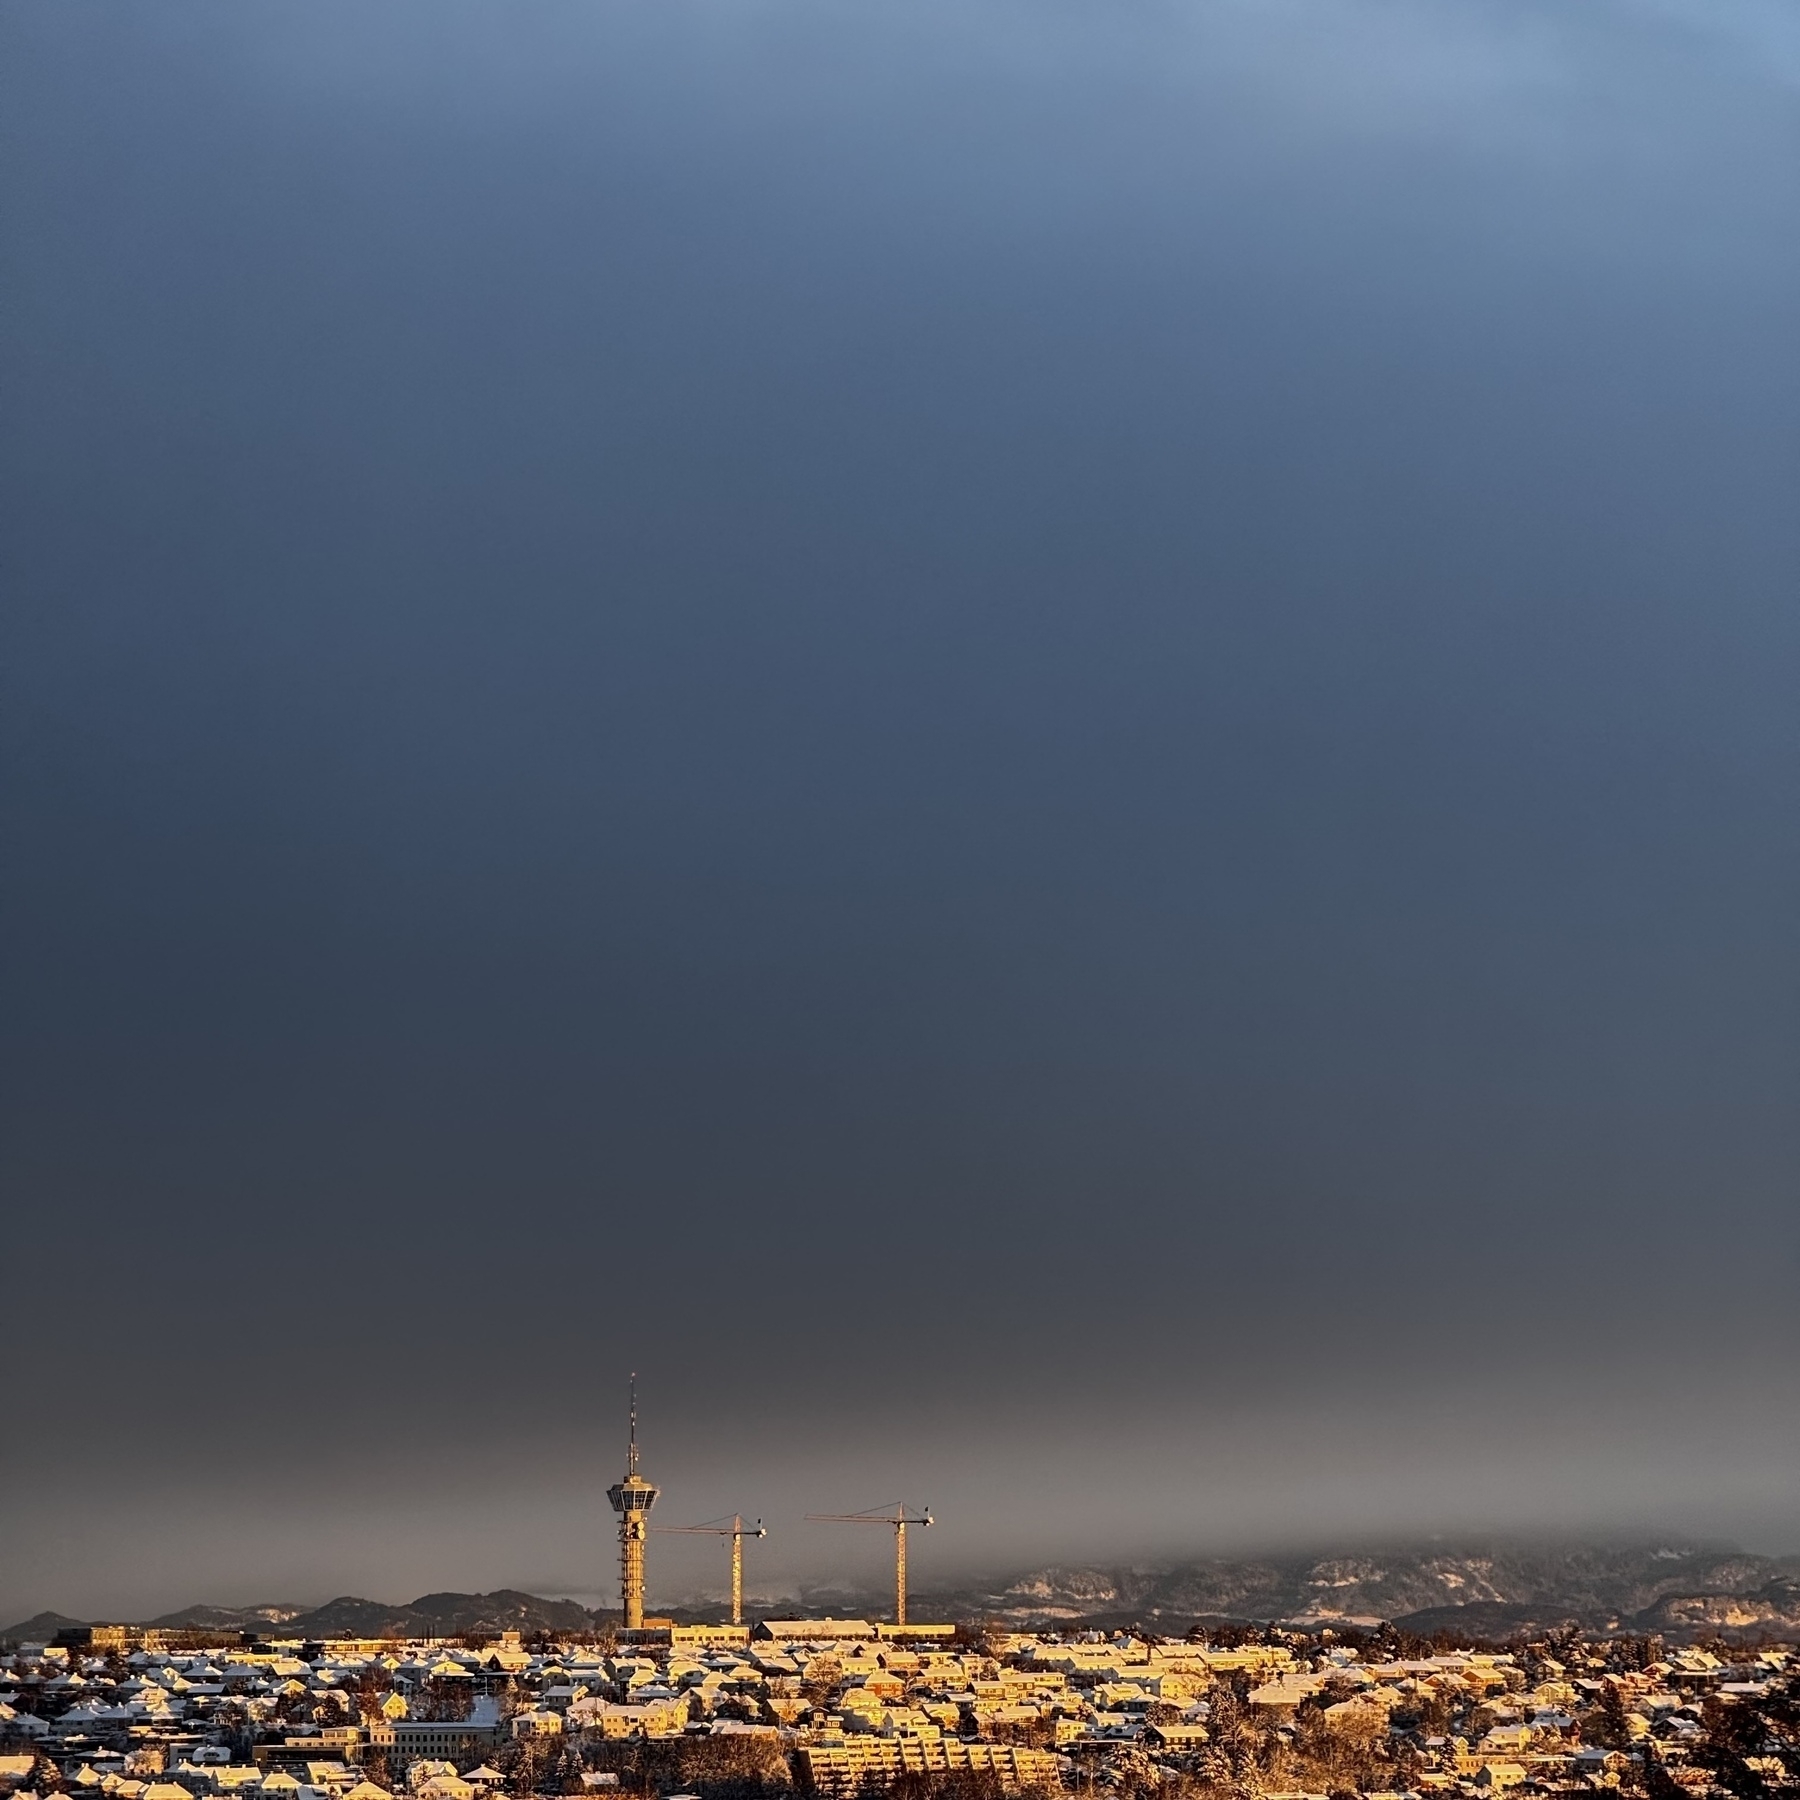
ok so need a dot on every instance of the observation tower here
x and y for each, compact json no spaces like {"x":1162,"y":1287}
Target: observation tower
{"x":632,"y":1499}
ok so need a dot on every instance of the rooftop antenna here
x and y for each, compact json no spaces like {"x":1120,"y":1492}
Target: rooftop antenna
{"x":631,"y":1460}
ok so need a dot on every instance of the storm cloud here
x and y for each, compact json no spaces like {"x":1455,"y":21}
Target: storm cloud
{"x":1018,"y":739}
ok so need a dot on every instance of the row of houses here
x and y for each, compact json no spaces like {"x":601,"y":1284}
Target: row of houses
{"x":848,"y":1703}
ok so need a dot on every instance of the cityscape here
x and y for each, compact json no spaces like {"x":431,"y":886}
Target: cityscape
{"x":736,"y":1708}
{"x":898,"y":899}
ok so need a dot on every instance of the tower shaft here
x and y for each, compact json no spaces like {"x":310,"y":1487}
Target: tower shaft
{"x":631,"y":1569}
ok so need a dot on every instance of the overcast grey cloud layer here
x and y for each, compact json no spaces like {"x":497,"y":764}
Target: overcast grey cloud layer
{"x":1013,"y":737}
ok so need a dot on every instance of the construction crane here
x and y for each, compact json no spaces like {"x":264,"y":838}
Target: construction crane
{"x":899,"y":1518}
{"x":737,"y":1531}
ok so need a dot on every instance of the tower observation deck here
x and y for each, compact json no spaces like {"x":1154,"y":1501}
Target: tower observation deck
{"x":632,"y":1499}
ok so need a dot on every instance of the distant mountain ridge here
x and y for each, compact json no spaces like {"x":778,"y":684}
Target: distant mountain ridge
{"x":1678,"y":1590}
{"x":272,"y":1616}
{"x":431,"y":1615}
{"x":39,"y":1627}
{"x":442,"y":1615}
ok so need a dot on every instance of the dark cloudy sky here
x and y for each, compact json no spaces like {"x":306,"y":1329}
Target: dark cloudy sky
{"x":1023,"y":739}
